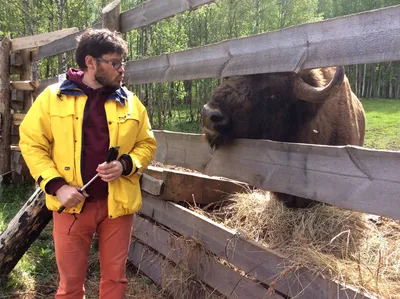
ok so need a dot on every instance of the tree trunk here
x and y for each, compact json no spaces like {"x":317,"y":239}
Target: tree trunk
{"x":398,"y":92}
{"x":60,"y":15}
{"x":356,"y":81}
{"x":22,"y":231}
{"x":397,"y":96}
{"x":379,"y":80}
{"x":390,"y":91}
{"x":5,"y":112}
{"x":363,"y":82}
{"x":149,"y":87}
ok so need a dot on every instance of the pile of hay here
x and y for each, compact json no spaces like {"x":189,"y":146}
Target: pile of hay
{"x":340,"y":244}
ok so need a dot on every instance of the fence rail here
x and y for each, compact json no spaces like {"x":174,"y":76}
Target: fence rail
{"x":29,"y":42}
{"x":369,"y":37}
{"x":253,"y":259}
{"x":350,"y":177}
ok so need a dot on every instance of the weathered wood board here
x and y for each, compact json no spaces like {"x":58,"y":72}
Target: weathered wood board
{"x":156,"y":10}
{"x":28,"y":42}
{"x":349,"y":177}
{"x":24,"y":85}
{"x":218,"y":276}
{"x":368,"y":37}
{"x":191,"y":187}
{"x":255,"y":260}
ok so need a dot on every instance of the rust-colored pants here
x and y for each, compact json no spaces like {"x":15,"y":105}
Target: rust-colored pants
{"x":72,"y":243}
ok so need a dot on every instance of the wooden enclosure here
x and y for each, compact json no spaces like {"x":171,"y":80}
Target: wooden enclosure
{"x":350,"y":177}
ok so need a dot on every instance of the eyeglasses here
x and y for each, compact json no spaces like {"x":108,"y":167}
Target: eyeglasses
{"x":115,"y":64}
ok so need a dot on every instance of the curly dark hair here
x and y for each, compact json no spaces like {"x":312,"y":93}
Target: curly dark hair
{"x":97,"y":42}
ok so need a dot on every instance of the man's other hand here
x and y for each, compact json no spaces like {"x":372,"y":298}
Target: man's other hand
{"x":110,"y":171}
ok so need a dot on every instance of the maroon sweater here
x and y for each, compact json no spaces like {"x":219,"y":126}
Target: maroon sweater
{"x":95,"y":141}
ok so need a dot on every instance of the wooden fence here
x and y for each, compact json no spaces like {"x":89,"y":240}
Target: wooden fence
{"x":350,"y":177}
{"x":161,"y":222}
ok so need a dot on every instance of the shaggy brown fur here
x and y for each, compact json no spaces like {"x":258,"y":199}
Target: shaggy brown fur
{"x":266,"y":106}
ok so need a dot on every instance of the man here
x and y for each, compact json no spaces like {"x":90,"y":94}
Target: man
{"x":65,"y":137}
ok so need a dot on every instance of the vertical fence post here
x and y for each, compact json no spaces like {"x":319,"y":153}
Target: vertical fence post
{"x":110,"y":16}
{"x":5,"y":112}
{"x":20,"y":172}
{"x":26,"y":76}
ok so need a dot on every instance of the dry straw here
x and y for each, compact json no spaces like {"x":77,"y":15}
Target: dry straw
{"x":343,"y":245}
{"x":179,"y":280}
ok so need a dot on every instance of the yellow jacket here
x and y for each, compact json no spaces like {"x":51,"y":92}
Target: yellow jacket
{"x":51,"y":143}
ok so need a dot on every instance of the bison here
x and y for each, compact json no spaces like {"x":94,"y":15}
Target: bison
{"x":313,"y":106}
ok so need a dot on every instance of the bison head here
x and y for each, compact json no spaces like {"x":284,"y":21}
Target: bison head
{"x":265,"y":106}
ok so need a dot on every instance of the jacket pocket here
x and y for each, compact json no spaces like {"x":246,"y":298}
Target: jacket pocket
{"x":128,"y":126}
{"x":125,"y":189}
{"x":62,"y":152}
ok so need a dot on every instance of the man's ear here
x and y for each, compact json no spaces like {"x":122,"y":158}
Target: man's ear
{"x":90,"y":62}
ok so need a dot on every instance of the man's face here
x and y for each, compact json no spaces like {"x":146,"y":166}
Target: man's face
{"x":106,"y":72}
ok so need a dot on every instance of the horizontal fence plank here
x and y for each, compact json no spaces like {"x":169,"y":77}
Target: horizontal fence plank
{"x":186,"y":150}
{"x":361,"y":38}
{"x":369,"y":37}
{"x":255,"y":260}
{"x":156,"y":10}
{"x":151,"y":185}
{"x":24,"y":85}
{"x":155,"y":266}
{"x":147,"y":261}
{"x":44,"y":83}
{"x":33,"y":41}
{"x":349,"y":177}
{"x":221,"y":278}
{"x":17,"y":118}
{"x":67,"y":43}
{"x":190,"y":187}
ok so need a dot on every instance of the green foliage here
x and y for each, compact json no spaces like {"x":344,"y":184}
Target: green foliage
{"x":180,"y":120}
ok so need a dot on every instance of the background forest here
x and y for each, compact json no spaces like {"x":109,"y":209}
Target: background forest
{"x":177,"y":105}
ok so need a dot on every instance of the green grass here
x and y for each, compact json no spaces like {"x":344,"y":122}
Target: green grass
{"x":180,"y":120}
{"x":383,"y":124}
{"x":37,"y":267}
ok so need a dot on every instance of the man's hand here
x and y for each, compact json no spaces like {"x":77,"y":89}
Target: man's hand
{"x":69,"y":196}
{"x":110,"y":171}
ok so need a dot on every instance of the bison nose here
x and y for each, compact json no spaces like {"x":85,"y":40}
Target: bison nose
{"x":214,"y":118}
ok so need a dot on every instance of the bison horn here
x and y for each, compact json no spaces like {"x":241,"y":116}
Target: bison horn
{"x":313,"y":94}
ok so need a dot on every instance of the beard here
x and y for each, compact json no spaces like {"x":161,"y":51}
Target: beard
{"x":107,"y":80}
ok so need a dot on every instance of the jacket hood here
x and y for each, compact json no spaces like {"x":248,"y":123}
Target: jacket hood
{"x":74,"y":86}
